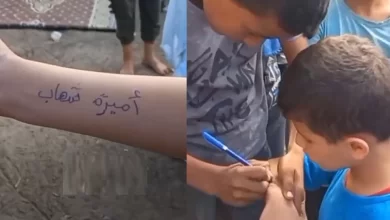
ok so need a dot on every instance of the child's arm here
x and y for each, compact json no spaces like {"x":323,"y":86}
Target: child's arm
{"x":278,"y":208}
{"x":143,"y":111}
{"x":313,"y":175}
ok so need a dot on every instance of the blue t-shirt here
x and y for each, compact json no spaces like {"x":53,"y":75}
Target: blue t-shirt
{"x":341,"y":204}
{"x":341,"y":19}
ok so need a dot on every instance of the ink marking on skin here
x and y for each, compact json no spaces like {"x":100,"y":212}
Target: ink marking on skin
{"x":57,"y":94}
{"x":113,"y":107}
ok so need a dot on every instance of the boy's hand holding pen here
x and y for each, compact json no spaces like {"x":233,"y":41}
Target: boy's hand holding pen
{"x":242,"y":183}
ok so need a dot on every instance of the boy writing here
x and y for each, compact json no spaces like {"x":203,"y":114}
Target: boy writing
{"x":227,"y":95}
{"x":337,"y":94}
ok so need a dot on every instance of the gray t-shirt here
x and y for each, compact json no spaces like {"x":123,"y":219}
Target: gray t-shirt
{"x":226,"y":93}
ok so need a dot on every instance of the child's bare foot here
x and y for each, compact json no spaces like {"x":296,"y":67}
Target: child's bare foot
{"x":157,"y":66}
{"x":127,"y":68}
{"x":128,"y":63}
{"x":151,"y":61}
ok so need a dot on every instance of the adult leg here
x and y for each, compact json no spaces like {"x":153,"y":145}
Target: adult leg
{"x":150,"y":29}
{"x":124,"y":11}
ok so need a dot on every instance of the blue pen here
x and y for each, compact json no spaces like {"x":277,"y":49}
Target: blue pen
{"x":216,"y":143}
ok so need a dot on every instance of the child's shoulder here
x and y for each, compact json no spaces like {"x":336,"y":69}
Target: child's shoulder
{"x":339,"y":203}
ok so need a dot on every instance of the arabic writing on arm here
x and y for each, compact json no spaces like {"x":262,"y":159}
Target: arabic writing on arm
{"x":103,"y":101}
{"x":114,"y":107}
{"x":62,"y":96}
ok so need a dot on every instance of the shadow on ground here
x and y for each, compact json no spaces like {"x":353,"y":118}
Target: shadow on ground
{"x":43,"y":171}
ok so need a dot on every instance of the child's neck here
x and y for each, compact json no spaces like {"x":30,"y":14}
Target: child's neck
{"x":373,"y":175}
{"x":377,"y":10}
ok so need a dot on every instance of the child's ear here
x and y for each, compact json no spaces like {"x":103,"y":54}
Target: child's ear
{"x":359,"y":147}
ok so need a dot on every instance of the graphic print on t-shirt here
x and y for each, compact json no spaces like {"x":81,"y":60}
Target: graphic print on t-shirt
{"x":220,"y":113}
{"x":225,"y":93}
{"x":272,"y":77}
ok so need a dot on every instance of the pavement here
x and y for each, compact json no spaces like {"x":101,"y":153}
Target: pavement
{"x":36,"y":163}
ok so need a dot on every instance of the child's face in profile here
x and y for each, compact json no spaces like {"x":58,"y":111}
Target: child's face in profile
{"x":330,"y":156}
{"x":240,"y":24}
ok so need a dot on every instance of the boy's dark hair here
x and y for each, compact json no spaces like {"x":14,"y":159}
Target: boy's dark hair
{"x":296,"y":16}
{"x":339,"y":87}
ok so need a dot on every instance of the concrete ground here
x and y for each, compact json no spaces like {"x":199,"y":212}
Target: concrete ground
{"x":37,"y":164}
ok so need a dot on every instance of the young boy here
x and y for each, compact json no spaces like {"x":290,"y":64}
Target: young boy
{"x":366,"y":18}
{"x":227,"y":95}
{"x":337,"y":93}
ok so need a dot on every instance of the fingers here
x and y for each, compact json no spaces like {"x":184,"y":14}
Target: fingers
{"x":287,"y":182}
{"x":257,"y":187}
{"x":259,"y":163}
{"x":258,"y":173}
{"x":299,"y":193}
{"x":299,"y":200}
{"x":244,"y":195}
{"x":248,"y":191}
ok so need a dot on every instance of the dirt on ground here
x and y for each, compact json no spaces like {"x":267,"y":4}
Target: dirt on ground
{"x":47,"y":174}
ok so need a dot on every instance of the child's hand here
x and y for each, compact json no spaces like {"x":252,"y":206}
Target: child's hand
{"x":240,"y":185}
{"x":290,"y":176}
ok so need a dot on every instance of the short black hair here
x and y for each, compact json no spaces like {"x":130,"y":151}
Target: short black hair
{"x":296,"y":16}
{"x":339,"y":87}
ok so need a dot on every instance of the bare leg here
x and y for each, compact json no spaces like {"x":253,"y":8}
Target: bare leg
{"x":124,"y":11}
{"x":150,"y":29}
{"x":128,"y":60}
